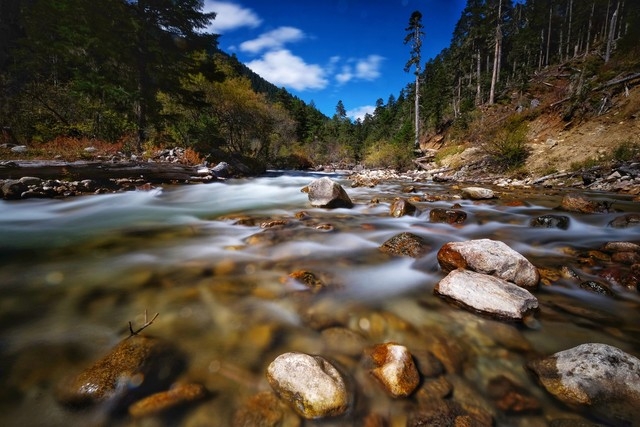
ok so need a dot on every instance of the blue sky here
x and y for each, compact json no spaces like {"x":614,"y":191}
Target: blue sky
{"x":330,"y":50}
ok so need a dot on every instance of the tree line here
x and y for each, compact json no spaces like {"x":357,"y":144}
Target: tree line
{"x":147,"y":72}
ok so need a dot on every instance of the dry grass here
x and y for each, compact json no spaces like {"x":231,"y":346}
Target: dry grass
{"x":65,"y":148}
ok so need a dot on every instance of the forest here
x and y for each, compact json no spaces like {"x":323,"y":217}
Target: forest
{"x":136,"y":74}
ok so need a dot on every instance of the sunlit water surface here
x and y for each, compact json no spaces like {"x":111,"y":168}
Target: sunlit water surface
{"x":74,"y":272}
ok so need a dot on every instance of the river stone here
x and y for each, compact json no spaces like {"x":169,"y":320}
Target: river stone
{"x":597,"y":377}
{"x":178,"y":395}
{"x":578,"y":203}
{"x":406,"y":244}
{"x":487,"y":294}
{"x":311,"y":385}
{"x":222,"y":170}
{"x":447,"y":216}
{"x":624,"y":221}
{"x":401,"y":207}
{"x":137,"y":367}
{"x":551,"y":221}
{"x":326,"y":193}
{"x":511,"y":397}
{"x":394,"y":369}
{"x":477,"y":193}
{"x":489,"y":257}
{"x":12,"y":189}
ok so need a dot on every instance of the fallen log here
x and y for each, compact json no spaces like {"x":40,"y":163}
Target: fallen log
{"x":98,"y":171}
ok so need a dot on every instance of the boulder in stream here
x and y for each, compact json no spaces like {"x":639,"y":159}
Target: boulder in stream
{"x":311,"y":385}
{"x":599,"y":378}
{"x":137,"y":367}
{"x":478,"y":193}
{"x":489,"y":257}
{"x":486,"y":294}
{"x":406,"y":244}
{"x":575,"y":202}
{"x":326,"y":193}
{"x":447,"y":216}
{"x":394,"y":368}
{"x":624,"y":221}
{"x":401,"y":207}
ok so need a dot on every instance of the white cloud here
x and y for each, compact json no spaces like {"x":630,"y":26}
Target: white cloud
{"x":230,"y":16}
{"x":282,"y":68}
{"x":360,"y":112}
{"x":273,"y":40}
{"x":364,"y":69}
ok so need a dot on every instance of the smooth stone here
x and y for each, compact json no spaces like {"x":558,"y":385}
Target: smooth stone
{"x":447,"y":216}
{"x":401,"y":207}
{"x":597,"y":377}
{"x":477,"y":193}
{"x":12,"y":189}
{"x":578,"y":203}
{"x":487,"y":294}
{"x":406,"y":244}
{"x":222,"y":170}
{"x":511,"y":397}
{"x":311,"y":385}
{"x":489,"y":257}
{"x":30,"y":180}
{"x":265,"y":410}
{"x":178,"y":395}
{"x":326,"y":193}
{"x":624,"y":221}
{"x":137,"y":367}
{"x":395,"y":369}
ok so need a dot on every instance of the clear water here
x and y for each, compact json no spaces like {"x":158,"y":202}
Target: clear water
{"x":74,"y":272}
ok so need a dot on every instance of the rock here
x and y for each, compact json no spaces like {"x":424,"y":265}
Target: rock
{"x":599,"y":378}
{"x":306,"y":278}
{"x":401,"y":207}
{"x":510,"y":397}
{"x":311,"y":385}
{"x":343,"y":341}
{"x":394,"y":368}
{"x":551,"y":221}
{"x":264,"y":410}
{"x":596,"y":287}
{"x":477,"y":193}
{"x":325,"y":193}
{"x":624,"y":221}
{"x":12,"y":189}
{"x":30,"y":180}
{"x":19,"y":149}
{"x":578,"y":203}
{"x":447,"y":216}
{"x":621,"y":247}
{"x":487,"y":294}
{"x":137,"y":367}
{"x":178,"y":395}
{"x":90,"y":150}
{"x":489,"y":257}
{"x":406,"y":244}
{"x":222,"y":170}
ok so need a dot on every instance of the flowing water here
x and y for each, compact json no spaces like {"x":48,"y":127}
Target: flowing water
{"x":74,"y":272}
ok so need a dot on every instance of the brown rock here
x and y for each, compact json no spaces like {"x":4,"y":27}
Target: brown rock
{"x":624,"y":221}
{"x":510,"y":397}
{"x":136,"y":367}
{"x":179,"y":394}
{"x":447,"y":216}
{"x":395,"y":369}
{"x":578,"y":203}
{"x":401,"y":207}
{"x":264,"y":410}
{"x":406,"y":244}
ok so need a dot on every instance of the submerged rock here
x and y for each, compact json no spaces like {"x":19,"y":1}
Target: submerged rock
{"x":597,"y":377}
{"x":325,"y":193}
{"x":489,"y":257}
{"x":551,"y":221}
{"x":401,"y":207}
{"x":447,"y":216}
{"x":395,"y":369}
{"x":311,"y":385}
{"x":510,"y":397}
{"x":406,"y":244}
{"x":578,"y":203}
{"x":178,"y":395}
{"x":487,"y":294}
{"x":624,"y":221}
{"x":136,"y":367}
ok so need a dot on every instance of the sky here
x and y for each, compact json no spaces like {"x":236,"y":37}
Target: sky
{"x":327,"y":51}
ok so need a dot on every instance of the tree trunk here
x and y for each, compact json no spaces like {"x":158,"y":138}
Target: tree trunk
{"x":496,"y":56}
{"x":612,"y":31}
{"x":586,"y":50}
{"x":478,"y":89}
{"x":569,"y":29}
{"x":546,"y":62}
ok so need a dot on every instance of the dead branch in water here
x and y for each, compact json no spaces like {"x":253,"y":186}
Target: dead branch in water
{"x":147,"y":323}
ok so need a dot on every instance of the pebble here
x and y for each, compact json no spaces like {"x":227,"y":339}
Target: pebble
{"x":311,"y":385}
{"x":179,"y":394}
{"x":478,"y":193}
{"x":395,"y":369}
{"x":487,"y":294}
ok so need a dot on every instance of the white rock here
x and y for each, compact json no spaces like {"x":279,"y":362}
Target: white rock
{"x":487,"y":294}
{"x":490,"y":257}
{"x":19,"y":149}
{"x":310,"y":384}
{"x":598,"y":377}
{"x":478,"y":193}
{"x":395,"y":369}
{"x":326,"y":193}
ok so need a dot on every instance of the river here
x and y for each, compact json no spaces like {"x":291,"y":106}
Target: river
{"x":75,"y":271}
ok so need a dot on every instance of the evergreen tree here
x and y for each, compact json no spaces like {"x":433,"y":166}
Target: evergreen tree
{"x":414,"y":36}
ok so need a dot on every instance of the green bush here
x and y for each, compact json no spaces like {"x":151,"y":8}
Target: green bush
{"x":508,"y":147}
{"x":626,"y":151}
{"x":386,"y":155}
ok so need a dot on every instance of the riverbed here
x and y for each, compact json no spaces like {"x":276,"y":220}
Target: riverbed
{"x":218,"y":261}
